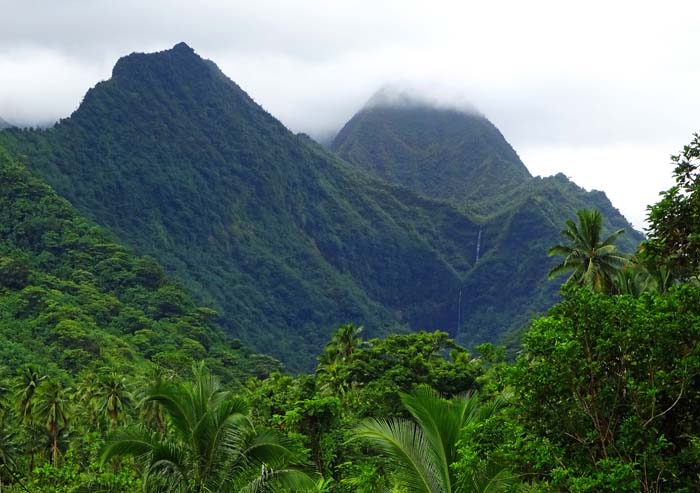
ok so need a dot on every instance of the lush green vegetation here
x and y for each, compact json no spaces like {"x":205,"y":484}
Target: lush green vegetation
{"x":462,"y":159}
{"x":281,"y":237}
{"x":113,"y":379}
{"x":82,"y":320}
{"x":449,"y":154}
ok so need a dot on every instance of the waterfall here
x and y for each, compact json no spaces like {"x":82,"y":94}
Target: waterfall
{"x":459,"y":314}
{"x":478,"y":244}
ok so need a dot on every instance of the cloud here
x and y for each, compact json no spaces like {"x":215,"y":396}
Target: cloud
{"x":559,"y":79}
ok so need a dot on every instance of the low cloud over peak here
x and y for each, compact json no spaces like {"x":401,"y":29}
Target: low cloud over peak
{"x":406,"y":96}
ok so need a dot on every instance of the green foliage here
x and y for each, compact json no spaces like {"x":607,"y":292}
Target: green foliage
{"x":425,"y":448}
{"x":448,"y":154}
{"x":72,"y":299}
{"x":674,"y":222}
{"x":212,"y":445}
{"x":595,"y":262}
{"x":610,"y":385}
{"x":385,"y":367}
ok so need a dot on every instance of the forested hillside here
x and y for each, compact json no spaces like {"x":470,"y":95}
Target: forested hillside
{"x":450,"y":154}
{"x":281,"y":237}
{"x":72,"y":300}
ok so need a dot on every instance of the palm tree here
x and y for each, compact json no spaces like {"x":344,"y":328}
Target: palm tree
{"x":112,"y":396}
{"x":51,"y":408}
{"x":594,"y":263}
{"x":212,"y":445}
{"x":8,"y":450}
{"x":150,"y":411}
{"x":25,"y":389}
{"x":345,"y":340}
{"x":424,"y":448}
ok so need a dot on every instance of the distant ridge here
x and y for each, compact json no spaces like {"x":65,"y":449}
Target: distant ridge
{"x":4,"y":124}
{"x":282,"y":237}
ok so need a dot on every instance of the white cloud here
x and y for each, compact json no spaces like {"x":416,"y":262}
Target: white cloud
{"x":565,"y":82}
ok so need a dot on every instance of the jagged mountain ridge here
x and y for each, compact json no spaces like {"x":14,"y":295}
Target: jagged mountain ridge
{"x":279,"y":235}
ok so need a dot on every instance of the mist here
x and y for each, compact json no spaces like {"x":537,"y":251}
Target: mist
{"x":603,"y":94}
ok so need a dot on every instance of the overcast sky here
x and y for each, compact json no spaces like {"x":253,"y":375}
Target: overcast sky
{"x":601,"y":91}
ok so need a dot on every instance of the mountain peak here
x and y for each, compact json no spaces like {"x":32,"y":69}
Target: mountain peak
{"x":182,"y":47}
{"x":398,"y":97}
{"x":181,"y":55}
{"x":439,"y":151}
{"x":190,"y":86}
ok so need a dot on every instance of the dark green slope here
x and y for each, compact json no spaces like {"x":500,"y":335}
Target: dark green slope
{"x":72,"y":300}
{"x":462,"y":158}
{"x":447,"y":154}
{"x":267,"y":227}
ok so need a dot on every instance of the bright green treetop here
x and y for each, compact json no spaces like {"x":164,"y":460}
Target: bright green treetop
{"x":593,"y":262}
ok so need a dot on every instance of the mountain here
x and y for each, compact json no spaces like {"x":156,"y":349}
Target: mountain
{"x":72,"y":300}
{"x":4,"y":124}
{"x":283,"y":238}
{"x":460,"y":157}
{"x":442,"y":153}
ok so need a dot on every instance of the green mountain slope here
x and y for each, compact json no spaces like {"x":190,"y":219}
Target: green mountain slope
{"x":72,"y":300}
{"x":280,"y":236}
{"x":462,"y":158}
{"x":442,"y":153}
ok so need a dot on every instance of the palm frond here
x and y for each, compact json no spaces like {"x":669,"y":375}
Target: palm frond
{"x":562,"y":268}
{"x":613,"y":237}
{"x":404,"y":443}
{"x":279,"y":480}
{"x":559,"y":250}
{"x":134,"y":442}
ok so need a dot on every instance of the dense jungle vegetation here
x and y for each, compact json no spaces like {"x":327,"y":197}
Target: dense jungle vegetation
{"x":114,"y":380}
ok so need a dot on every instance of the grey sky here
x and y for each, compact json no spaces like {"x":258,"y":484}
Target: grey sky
{"x":601,"y":91}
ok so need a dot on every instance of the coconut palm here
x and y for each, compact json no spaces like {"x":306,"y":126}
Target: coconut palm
{"x":51,"y":408}
{"x":112,"y":397}
{"x":346,"y":339}
{"x":593,"y":263}
{"x":25,"y":391}
{"x":8,"y":448}
{"x":150,"y":411}
{"x":423,"y":449}
{"x":25,"y":387}
{"x":212,"y":445}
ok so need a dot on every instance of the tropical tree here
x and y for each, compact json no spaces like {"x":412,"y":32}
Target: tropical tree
{"x":674,"y":222}
{"x":212,"y":445}
{"x":25,"y":390}
{"x":425,"y":448}
{"x":606,"y":390}
{"x":345,"y":340}
{"x":150,"y":411}
{"x":593,"y":263}
{"x":8,"y":450}
{"x":112,"y":397}
{"x":51,"y":408}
